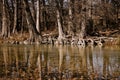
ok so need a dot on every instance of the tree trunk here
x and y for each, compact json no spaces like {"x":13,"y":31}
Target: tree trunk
{"x":4,"y":21}
{"x":83,"y":20}
{"x":34,"y":34}
{"x":38,"y":16}
{"x":20,"y":13}
{"x":9,"y":16}
{"x":15,"y":16}
{"x":60,"y":29}
{"x":90,"y":4}
{"x":82,"y":31}
{"x":33,"y":11}
{"x":44,"y":15}
{"x":70,"y":24}
{"x":0,"y":16}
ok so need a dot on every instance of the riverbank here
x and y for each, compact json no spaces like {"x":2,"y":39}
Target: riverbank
{"x":52,"y":39}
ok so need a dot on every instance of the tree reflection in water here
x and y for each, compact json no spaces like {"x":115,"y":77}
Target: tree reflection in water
{"x":47,"y":62}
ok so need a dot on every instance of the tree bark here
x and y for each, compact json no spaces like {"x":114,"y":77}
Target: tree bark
{"x":9,"y":16}
{"x":34,"y":34}
{"x":1,"y":16}
{"x":82,"y":31}
{"x":15,"y":16}
{"x":83,"y":21}
{"x":70,"y":24}
{"x":33,"y":11}
{"x":4,"y":21}
{"x":60,"y":29}
{"x":44,"y":15}
{"x":38,"y":16}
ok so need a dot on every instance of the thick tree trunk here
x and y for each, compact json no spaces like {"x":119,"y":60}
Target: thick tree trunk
{"x":60,"y":31}
{"x":34,"y":34}
{"x":61,"y":35}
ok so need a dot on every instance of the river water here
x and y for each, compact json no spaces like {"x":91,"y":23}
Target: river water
{"x":58,"y":62}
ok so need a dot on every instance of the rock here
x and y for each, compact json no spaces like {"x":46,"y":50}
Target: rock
{"x":21,"y":42}
{"x":26,"y":42}
{"x":99,"y":44}
{"x":81,"y":42}
{"x":74,"y":41}
{"x":50,"y":40}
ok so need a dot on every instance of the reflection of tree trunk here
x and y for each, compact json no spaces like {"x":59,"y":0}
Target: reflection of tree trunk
{"x":46,"y":60}
{"x":98,"y":60}
{"x":30,"y":58}
{"x":105,"y":64}
{"x":83,"y":57}
{"x":67,"y":57}
{"x":90,"y":59}
{"x":16,"y":57}
{"x":60,"y":58}
{"x":25,"y":55}
{"x":73,"y":49}
{"x":39,"y":65}
{"x":5,"y":56}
